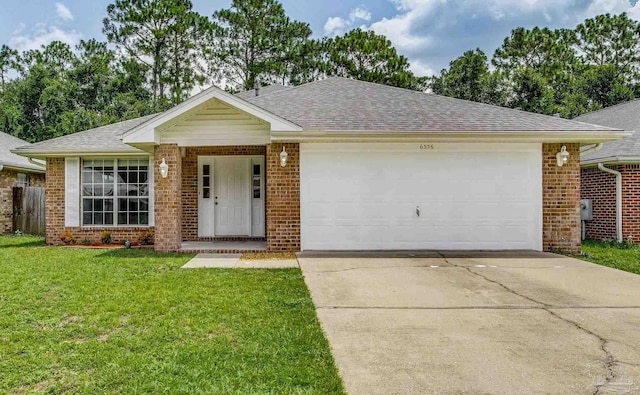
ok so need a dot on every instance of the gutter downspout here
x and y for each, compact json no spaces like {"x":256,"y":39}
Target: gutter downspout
{"x":618,"y":199}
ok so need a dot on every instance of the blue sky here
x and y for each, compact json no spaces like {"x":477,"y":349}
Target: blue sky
{"x":429,"y":32}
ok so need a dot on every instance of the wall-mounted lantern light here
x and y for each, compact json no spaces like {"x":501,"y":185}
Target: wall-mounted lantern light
{"x":562,"y":156}
{"x":164,"y":169}
{"x":283,"y":157}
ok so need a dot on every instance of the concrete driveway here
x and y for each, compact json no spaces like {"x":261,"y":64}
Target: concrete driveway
{"x":477,"y":323}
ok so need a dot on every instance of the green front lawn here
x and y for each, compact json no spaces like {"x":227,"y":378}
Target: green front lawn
{"x":131,"y":321}
{"x":624,"y":257}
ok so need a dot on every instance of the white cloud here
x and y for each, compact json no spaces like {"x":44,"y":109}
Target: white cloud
{"x":607,"y":6}
{"x":43,"y":35}
{"x":336,"y":25}
{"x":420,"y":69}
{"x":359,"y":13}
{"x":431,"y":33}
{"x":63,"y":12}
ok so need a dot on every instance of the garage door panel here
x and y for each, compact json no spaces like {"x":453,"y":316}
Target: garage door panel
{"x":367,"y":198}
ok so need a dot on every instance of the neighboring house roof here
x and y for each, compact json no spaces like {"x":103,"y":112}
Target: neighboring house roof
{"x":263,"y":91}
{"x":622,"y":116}
{"x":105,"y":139}
{"x":9,"y":159}
{"x":336,"y":105}
{"x":342,"y":104}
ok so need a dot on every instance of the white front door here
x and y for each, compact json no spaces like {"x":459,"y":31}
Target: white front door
{"x":232,"y":198}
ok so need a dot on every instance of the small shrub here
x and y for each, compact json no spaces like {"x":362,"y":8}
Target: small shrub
{"x":85,"y":242}
{"x":18,"y":233}
{"x":147,"y":238}
{"x":106,"y":237}
{"x":67,"y":237}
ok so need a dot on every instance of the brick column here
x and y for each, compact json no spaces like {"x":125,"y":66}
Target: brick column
{"x":168,"y":199}
{"x":561,"y":200}
{"x":283,"y":198}
{"x":54,"y":200}
{"x":7,"y":182}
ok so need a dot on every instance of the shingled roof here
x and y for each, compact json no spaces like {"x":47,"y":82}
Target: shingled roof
{"x":105,"y":139}
{"x":265,"y":90}
{"x":9,"y":159}
{"x":622,"y":116}
{"x":344,"y":105}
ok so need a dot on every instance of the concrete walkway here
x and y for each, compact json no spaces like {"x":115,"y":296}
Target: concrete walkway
{"x":202,"y":261}
{"x":492,"y":324}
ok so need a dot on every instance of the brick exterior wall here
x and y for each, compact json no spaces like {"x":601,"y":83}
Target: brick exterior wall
{"x":8,"y":180}
{"x":168,"y":199}
{"x":55,"y":195}
{"x":600,"y":187}
{"x":561,"y":200}
{"x":283,"y":198}
{"x":631,"y":202}
{"x":190,"y":181}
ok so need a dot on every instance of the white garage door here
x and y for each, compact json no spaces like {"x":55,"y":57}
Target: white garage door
{"x":421,"y":196}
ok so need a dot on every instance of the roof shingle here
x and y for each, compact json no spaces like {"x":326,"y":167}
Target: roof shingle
{"x":622,"y":116}
{"x":8,"y":158}
{"x":102,"y":139}
{"x":342,"y":104}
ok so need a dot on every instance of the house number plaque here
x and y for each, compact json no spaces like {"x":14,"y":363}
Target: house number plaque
{"x":426,"y":146}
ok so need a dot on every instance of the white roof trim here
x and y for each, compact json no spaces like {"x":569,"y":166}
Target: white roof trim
{"x":610,"y":160}
{"x":147,"y":133}
{"x":586,"y":137}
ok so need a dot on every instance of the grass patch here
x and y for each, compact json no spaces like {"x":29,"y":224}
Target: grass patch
{"x":619,"y":256}
{"x":130,"y":321}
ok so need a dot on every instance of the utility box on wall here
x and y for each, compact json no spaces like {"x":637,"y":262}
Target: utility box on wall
{"x":586,"y":210}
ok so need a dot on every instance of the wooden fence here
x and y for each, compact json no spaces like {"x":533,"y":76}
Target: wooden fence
{"x":28,"y":210}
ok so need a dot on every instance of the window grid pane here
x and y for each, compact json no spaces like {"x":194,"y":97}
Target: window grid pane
{"x":133,"y":192}
{"x":115,"y":195}
{"x":97,"y":192}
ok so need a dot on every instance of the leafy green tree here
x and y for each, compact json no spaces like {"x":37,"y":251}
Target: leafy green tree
{"x":163,"y":35}
{"x":9,"y":61}
{"x":532,"y":93}
{"x":542,"y":61}
{"x":255,"y":41}
{"x":59,"y":91}
{"x":549,"y":52}
{"x":604,"y":86}
{"x":469,"y":78}
{"x":610,"y":40}
{"x":366,"y":56}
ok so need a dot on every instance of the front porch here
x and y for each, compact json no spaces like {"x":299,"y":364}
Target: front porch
{"x":227,"y":199}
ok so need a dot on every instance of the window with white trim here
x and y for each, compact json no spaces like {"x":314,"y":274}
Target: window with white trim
{"x":22,"y":180}
{"x":115,"y":192}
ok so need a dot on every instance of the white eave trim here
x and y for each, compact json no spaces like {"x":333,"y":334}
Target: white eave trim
{"x":585,"y":137}
{"x":147,"y":133}
{"x":21,"y":169}
{"x":610,"y":160}
{"x":62,"y":154}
